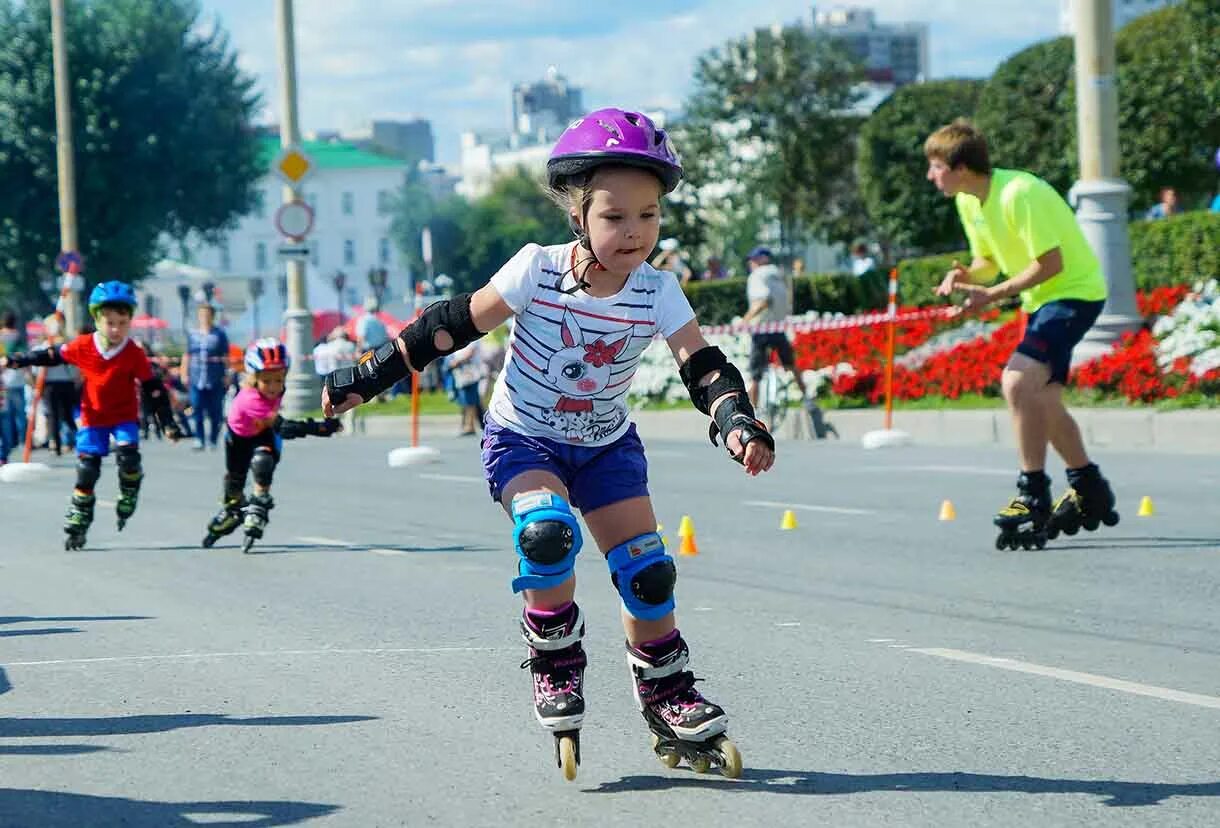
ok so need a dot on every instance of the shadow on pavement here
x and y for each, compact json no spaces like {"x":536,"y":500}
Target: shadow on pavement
{"x":760,"y":780}
{"x":49,"y":750}
{"x":52,"y":809}
{"x":128,"y":725}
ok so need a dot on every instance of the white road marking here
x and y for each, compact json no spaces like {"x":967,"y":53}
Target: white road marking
{"x":941,"y":469}
{"x":324,"y":541}
{"x":788,"y":624}
{"x":806,"y":507}
{"x":106,"y":504}
{"x":880,"y":640}
{"x":389,"y":552}
{"x":253,"y":654}
{"x":1091,"y":679}
{"x":453,"y":478}
{"x":702,"y":609}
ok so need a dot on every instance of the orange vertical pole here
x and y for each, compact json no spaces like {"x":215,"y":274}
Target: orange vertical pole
{"x":889,"y":351}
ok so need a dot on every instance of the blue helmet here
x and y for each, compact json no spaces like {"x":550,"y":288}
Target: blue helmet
{"x":112,"y":293}
{"x":267,"y":354}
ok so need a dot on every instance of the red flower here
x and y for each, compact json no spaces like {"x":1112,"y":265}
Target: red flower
{"x":599,"y":354}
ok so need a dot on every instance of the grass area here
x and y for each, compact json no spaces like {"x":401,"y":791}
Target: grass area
{"x":432,"y":402}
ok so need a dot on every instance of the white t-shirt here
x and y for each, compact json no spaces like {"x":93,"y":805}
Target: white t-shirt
{"x":767,"y":282}
{"x":571,"y":357}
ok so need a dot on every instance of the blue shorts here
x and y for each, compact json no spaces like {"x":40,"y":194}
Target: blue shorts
{"x":1052,"y":331}
{"x":468,"y":395}
{"x":595,"y":476}
{"x":96,"y":439}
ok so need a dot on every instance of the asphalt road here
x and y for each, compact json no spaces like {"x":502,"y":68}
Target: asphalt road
{"x":880,"y":667}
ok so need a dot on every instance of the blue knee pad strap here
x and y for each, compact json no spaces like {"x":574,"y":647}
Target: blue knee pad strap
{"x":534,"y":508}
{"x":628,"y":560}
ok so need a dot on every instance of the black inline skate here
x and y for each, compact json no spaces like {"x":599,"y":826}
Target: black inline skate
{"x":226,"y":520}
{"x":684,"y":724}
{"x":1025,"y":520}
{"x":557,"y":665}
{"x":256,"y":510}
{"x":129,"y":493}
{"x":78,"y":519}
{"x":1088,"y":503}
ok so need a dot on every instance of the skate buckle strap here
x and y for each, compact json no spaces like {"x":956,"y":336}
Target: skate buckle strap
{"x":646,"y":669}
{"x":657,"y":692}
{"x":540,"y":641}
{"x":550,"y":663}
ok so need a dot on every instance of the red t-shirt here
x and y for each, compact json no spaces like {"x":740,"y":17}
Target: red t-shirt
{"x":108,"y":380}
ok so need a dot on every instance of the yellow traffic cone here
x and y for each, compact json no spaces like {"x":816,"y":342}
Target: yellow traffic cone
{"x":1146,"y":509}
{"x":947,"y":512}
{"x":686,"y":529}
{"x":789,"y":520}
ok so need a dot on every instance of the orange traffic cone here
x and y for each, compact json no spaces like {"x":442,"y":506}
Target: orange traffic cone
{"x":947,"y":512}
{"x":686,"y":531}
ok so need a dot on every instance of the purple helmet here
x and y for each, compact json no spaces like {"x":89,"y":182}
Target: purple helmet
{"x":614,"y":136}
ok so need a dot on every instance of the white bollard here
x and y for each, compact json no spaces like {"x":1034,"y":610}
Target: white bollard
{"x":885,"y":438}
{"x":20,"y":472}
{"x":412,"y":456}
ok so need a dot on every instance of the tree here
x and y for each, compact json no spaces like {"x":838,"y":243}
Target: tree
{"x":907,"y":211}
{"x":769,"y":121}
{"x":472,"y":240}
{"x":1169,"y":121}
{"x":1027,"y":110}
{"x":161,"y":126}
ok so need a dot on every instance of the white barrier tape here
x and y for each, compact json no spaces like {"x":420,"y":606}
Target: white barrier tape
{"x":801,"y":325}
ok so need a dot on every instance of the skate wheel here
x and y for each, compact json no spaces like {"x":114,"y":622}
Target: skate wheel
{"x":208,"y":541}
{"x":730,"y":758}
{"x":247,"y":544}
{"x":1052,"y":532}
{"x":700,"y":764}
{"x":1071,"y":530}
{"x":669,"y":760}
{"x":566,"y":747}
{"x":1001,"y":543}
{"x":1110,"y":519}
{"x":1026,"y":545}
{"x":1040,"y":543}
{"x":1091,"y":524}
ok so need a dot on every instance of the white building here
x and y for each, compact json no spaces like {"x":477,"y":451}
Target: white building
{"x":892,"y":53}
{"x":1124,"y":12}
{"x":352,"y":194}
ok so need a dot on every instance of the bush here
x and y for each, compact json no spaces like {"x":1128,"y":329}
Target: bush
{"x":716,"y":303}
{"x":1177,"y":250}
{"x":918,"y":278}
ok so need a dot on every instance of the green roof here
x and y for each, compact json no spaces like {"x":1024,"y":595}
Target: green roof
{"x":330,"y":155}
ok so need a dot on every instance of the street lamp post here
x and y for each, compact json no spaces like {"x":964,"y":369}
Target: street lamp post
{"x":184,"y":294}
{"x":256,"y":293}
{"x":340,"y":281}
{"x":378,"y":278}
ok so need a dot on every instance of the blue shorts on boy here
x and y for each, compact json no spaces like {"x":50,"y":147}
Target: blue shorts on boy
{"x":1053,"y":330}
{"x":96,"y":439}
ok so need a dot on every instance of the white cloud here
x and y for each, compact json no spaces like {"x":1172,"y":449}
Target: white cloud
{"x":454,"y":62}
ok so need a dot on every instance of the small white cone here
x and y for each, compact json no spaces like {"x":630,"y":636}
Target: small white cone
{"x":412,"y":456}
{"x":885,"y":438}
{"x":18,"y":472}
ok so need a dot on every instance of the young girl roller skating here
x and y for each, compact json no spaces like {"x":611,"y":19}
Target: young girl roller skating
{"x":252,"y":443}
{"x":558,"y":435}
{"x":110,"y":365}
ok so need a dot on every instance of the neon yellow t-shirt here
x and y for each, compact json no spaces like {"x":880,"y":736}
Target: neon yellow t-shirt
{"x":1022,"y":218}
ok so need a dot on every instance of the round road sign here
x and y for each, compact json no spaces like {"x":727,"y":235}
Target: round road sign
{"x":294,"y":220}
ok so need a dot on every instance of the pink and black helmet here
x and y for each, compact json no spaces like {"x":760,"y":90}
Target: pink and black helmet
{"x":613,"y":136}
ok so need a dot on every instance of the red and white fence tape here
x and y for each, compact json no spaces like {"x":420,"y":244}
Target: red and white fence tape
{"x":799,"y":324}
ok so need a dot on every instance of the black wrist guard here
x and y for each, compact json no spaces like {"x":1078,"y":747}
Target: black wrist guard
{"x":375,"y":372}
{"x":36,"y":357}
{"x":451,"y":316}
{"x":737,"y":413}
{"x":703,"y":362}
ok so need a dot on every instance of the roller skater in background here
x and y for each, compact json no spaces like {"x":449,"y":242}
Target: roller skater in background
{"x":558,"y":434}
{"x":110,"y":365}
{"x":253,"y":440}
{"x":1017,"y":224}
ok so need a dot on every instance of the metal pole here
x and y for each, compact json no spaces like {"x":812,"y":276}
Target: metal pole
{"x":1101,"y":195}
{"x":64,"y":158}
{"x":301,"y":391}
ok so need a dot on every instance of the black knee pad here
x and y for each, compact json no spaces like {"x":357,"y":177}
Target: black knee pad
{"x":88,"y":470}
{"x":262,"y":467}
{"x":127,"y":458}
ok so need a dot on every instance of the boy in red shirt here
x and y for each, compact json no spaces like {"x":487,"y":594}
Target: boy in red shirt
{"x":110,"y":364}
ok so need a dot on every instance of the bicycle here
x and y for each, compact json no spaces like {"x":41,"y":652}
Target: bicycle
{"x":776,"y":395}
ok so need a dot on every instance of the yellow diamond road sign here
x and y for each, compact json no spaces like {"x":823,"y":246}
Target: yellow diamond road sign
{"x":293,"y":166}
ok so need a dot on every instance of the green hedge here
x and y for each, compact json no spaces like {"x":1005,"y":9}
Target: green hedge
{"x":716,"y":303}
{"x":1174,"y":251}
{"x":1178,"y":250}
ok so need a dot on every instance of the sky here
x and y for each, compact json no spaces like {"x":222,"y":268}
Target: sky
{"x":454,"y":62}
